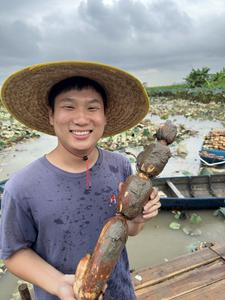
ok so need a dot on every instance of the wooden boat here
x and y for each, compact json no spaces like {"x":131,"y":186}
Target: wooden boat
{"x":212,"y":157}
{"x":213,"y":148}
{"x":185,"y":192}
{"x":191,"y":192}
{"x":194,"y":276}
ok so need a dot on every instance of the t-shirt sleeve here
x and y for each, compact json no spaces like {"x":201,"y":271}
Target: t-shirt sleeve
{"x":17,"y":230}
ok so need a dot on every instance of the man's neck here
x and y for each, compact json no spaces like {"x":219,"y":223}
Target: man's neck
{"x":72,"y":162}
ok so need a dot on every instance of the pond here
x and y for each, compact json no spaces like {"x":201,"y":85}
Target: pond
{"x":21,"y":154}
{"x":177,"y":165}
{"x":157,"y":243}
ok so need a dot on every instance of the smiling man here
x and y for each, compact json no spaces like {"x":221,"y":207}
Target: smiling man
{"x":53,"y":210}
{"x":77,"y":113}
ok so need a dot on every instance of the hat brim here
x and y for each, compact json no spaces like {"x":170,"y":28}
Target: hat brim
{"x":25,"y":94}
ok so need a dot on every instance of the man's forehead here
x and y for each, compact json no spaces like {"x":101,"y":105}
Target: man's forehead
{"x":76,"y":96}
{"x":83,"y":91}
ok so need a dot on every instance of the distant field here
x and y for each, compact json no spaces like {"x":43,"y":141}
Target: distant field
{"x":201,"y":94}
{"x":200,"y":85}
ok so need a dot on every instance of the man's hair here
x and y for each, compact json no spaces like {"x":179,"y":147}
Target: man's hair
{"x":75,"y":83}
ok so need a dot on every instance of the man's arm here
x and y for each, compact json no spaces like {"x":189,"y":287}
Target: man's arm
{"x":150,"y":210}
{"x":29,"y":266}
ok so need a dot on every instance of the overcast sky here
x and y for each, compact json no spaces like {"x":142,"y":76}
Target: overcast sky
{"x":159,"y":41}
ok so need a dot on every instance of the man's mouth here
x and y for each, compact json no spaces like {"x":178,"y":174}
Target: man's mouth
{"x":81,"y":132}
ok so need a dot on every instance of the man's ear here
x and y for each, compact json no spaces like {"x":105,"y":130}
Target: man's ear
{"x":50,"y":116}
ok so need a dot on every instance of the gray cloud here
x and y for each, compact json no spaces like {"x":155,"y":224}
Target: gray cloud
{"x":134,"y":35}
{"x":24,"y":43}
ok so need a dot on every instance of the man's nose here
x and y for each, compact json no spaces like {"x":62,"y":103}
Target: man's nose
{"x":80,"y":117}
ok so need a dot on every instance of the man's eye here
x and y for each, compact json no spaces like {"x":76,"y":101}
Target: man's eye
{"x":68,"y":107}
{"x":93,"y":108}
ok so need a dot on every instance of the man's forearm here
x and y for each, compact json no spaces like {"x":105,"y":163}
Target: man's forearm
{"x":27,"y":265}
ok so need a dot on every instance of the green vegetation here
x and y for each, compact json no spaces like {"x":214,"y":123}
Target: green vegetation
{"x":12,"y":131}
{"x":218,"y":79}
{"x":200,"y":85}
{"x":198,"y":78}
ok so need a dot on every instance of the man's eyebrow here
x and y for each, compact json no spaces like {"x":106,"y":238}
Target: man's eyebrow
{"x":71,"y":99}
{"x":67,"y":99}
{"x":95,"y":100}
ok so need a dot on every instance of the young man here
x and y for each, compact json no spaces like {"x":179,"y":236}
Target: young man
{"x":54,"y":209}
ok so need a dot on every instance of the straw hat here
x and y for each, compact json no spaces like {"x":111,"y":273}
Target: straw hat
{"x":25,"y":94}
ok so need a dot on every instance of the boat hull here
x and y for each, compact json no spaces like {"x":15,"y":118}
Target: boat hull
{"x":185,"y":192}
{"x":192,"y":192}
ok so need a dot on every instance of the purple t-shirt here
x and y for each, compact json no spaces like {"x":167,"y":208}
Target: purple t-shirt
{"x":51,"y":211}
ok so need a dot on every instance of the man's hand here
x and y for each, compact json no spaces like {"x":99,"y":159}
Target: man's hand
{"x":150,"y":210}
{"x":65,"y":289}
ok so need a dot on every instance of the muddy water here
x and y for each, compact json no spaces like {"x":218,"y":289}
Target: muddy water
{"x":8,"y":284}
{"x":177,"y":165}
{"x":23,"y":153}
{"x":156,"y":243}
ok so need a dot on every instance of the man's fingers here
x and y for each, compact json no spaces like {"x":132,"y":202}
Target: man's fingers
{"x":120,"y":186}
{"x":105,"y":287}
{"x":150,"y":215}
{"x":103,"y":292}
{"x":152,"y":203}
{"x":151,"y":208}
{"x":154,"y":193}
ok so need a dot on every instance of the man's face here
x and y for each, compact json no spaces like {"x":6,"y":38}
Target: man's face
{"x":78,"y":119}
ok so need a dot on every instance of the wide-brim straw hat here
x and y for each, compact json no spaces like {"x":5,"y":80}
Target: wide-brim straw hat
{"x":25,"y":94}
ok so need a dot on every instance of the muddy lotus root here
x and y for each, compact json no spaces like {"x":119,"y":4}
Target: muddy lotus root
{"x":167,"y":132}
{"x":153,"y":159}
{"x":94,"y":270}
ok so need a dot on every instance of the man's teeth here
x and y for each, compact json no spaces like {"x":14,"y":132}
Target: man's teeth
{"x":80,"y":132}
